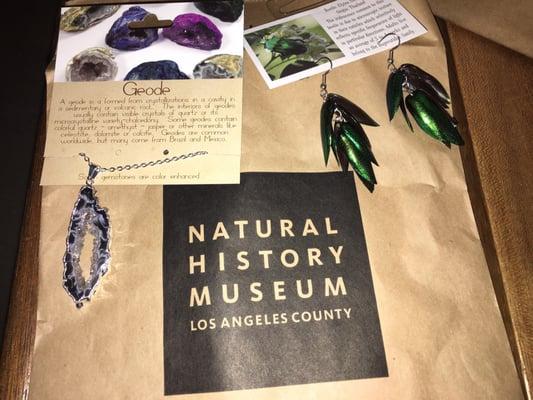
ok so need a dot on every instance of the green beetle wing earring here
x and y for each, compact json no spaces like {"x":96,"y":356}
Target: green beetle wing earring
{"x":427,"y":100}
{"x":343,"y":135}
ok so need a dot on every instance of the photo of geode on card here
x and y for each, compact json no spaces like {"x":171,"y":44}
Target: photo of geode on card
{"x":156,"y":41}
{"x":292,"y":46}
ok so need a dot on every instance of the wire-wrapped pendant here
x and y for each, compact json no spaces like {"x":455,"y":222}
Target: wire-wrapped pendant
{"x":87,"y":217}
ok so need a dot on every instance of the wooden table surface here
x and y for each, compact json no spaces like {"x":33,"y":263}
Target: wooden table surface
{"x":492,"y":91}
{"x":492,"y":94}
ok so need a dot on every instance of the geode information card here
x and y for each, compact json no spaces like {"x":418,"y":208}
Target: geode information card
{"x":267,"y":283}
{"x":141,"y":82}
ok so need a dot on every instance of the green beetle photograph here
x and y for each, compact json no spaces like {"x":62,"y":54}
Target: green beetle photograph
{"x":292,"y":46}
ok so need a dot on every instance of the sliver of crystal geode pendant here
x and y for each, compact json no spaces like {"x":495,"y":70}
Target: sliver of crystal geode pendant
{"x":87,"y":217}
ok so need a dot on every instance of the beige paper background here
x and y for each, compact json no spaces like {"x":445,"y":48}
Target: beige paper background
{"x":443,"y":333}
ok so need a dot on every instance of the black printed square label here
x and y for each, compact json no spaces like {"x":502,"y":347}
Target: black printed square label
{"x":267,"y":283}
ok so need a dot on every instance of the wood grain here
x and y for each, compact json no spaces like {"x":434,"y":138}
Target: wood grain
{"x":15,"y":363}
{"x":492,"y":92}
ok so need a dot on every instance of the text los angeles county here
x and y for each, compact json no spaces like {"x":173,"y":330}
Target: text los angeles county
{"x":326,"y":257}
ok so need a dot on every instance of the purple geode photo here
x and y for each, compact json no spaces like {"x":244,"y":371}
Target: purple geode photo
{"x":194,"y":30}
{"x":121,"y":37}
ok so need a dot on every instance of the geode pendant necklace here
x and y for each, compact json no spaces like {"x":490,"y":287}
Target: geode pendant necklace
{"x":89,"y":217}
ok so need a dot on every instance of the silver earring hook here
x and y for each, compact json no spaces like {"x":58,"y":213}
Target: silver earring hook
{"x":324,"y":85}
{"x":390,"y":59}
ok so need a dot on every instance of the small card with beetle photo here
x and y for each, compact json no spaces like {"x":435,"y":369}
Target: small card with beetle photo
{"x":295,"y":47}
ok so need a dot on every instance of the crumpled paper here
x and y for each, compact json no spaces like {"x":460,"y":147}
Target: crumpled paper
{"x":443,"y":334}
{"x":504,"y":22}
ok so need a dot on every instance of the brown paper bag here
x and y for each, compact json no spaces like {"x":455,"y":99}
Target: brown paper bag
{"x":442,"y":331}
{"x":502,"y":22}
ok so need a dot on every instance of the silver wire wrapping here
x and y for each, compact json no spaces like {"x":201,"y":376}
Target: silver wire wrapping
{"x":89,"y":218}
